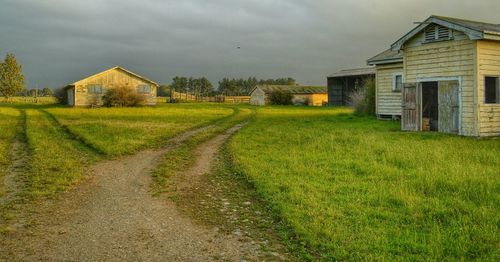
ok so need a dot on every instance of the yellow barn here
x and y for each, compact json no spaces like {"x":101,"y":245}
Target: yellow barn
{"x":89,"y":91}
{"x":445,"y":75}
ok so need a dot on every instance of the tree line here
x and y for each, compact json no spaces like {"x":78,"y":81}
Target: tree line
{"x":12,"y":83}
{"x":227,"y":86}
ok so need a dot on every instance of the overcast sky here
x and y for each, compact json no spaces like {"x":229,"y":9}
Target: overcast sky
{"x":60,"y":41}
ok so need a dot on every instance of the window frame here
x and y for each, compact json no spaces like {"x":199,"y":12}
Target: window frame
{"x":497,"y":90}
{"x":91,"y":88}
{"x":394,"y":84}
{"x":141,"y":88}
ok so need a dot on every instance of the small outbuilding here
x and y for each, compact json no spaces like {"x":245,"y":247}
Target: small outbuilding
{"x":449,"y":79}
{"x":343,"y":83}
{"x":90,"y":90}
{"x":302,"y":95}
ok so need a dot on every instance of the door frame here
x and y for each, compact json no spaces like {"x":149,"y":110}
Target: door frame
{"x":438,"y":79}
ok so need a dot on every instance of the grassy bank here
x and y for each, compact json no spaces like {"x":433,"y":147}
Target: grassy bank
{"x":357,"y":188}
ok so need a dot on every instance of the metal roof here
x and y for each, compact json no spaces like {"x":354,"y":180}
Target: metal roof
{"x":475,"y":25}
{"x":354,"y":72}
{"x":473,"y":29}
{"x":294,"y":89}
{"x":387,"y":57}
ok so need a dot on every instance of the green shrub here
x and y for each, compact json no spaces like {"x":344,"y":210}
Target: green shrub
{"x":280,"y":97}
{"x":123,"y":97}
{"x":363,"y":100}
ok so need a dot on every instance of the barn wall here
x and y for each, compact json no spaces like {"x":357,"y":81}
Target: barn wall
{"x":454,"y":58}
{"x":388,"y":102}
{"x":488,"y":55}
{"x":257,"y":97}
{"x":110,"y":79}
{"x":335,"y":95}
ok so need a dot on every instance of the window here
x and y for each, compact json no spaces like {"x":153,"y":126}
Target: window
{"x":95,"y":89}
{"x":145,"y":89}
{"x":491,"y":92}
{"x":437,"y":33}
{"x":397,"y":82}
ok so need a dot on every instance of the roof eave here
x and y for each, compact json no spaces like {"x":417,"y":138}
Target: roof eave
{"x":491,"y":35}
{"x":471,"y":33}
{"x":384,"y":61}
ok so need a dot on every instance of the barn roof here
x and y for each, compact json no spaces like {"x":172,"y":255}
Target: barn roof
{"x":122,"y":69}
{"x":294,"y":89}
{"x":473,"y":29}
{"x":354,"y":72}
{"x":387,"y":57}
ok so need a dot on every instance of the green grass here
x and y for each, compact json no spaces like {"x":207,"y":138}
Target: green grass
{"x":56,"y":160}
{"x":118,"y":131}
{"x":9,"y":121}
{"x":183,"y":156}
{"x":354,"y":188}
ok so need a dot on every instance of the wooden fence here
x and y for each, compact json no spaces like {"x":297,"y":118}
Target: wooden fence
{"x":192,"y":98}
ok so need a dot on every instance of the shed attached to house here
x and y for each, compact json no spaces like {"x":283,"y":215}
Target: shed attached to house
{"x":451,"y":71}
{"x":388,"y":83}
{"x":89,"y":91}
{"x":302,"y":95}
{"x":345,"y":82}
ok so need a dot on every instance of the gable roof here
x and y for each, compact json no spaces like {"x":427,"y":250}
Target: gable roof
{"x":473,"y":29}
{"x":122,"y":69}
{"x":387,"y":57}
{"x":354,"y":72}
{"x":292,"y":89}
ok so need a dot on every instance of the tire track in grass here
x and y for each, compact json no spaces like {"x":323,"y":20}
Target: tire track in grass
{"x":15,"y":171}
{"x":82,"y":141}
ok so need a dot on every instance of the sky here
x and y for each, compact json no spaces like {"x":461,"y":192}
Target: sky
{"x":61,"y":41}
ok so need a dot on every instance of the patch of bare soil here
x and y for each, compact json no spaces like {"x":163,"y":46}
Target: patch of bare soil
{"x":18,"y":153}
{"x":214,"y":195}
{"x":113,"y":217}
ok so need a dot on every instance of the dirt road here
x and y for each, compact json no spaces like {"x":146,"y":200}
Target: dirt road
{"x":113,"y":217}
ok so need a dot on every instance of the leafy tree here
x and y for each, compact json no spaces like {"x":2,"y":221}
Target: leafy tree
{"x":11,"y":77}
{"x":164,"y":90}
{"x":47,"y":92}
{"x":33,"y":92}
{"x":280,"y":97}
{"x":180,"y":84}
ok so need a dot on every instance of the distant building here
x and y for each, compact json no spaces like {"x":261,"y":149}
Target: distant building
{"x":89,"y":91}
{"x":304,"y":95}
{"x":345,"y":82}
{"x":446,"y":74}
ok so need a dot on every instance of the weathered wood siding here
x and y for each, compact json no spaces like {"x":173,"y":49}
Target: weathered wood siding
{"x":110,"y":79}
{"x":258,"y":97}
{"x":388,"y":102}
{"x":455,"y":58}
{"x":488,"y":56}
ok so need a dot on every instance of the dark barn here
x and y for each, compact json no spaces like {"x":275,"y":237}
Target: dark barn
{"x":344,"y":82}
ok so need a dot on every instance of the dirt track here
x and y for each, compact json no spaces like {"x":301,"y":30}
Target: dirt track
{"x":114,"y":217}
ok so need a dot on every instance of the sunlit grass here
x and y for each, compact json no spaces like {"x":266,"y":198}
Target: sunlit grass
{"x":56,"y":160}
{"x":117,"y":131}
{"x":355,"y":188}
{"x":9,"y":120}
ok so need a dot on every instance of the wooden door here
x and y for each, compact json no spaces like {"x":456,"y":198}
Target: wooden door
{"x":448,"y":107}
{"x":410,"y":116}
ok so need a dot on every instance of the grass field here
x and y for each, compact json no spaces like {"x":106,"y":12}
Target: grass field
{"x":114,"y":131}
{"x":62,"y":142}
{"x":354,"y":188}
{"x":9,"y":120}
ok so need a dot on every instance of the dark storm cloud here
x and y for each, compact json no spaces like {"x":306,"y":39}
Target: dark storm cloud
{"x":59,"y":41}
